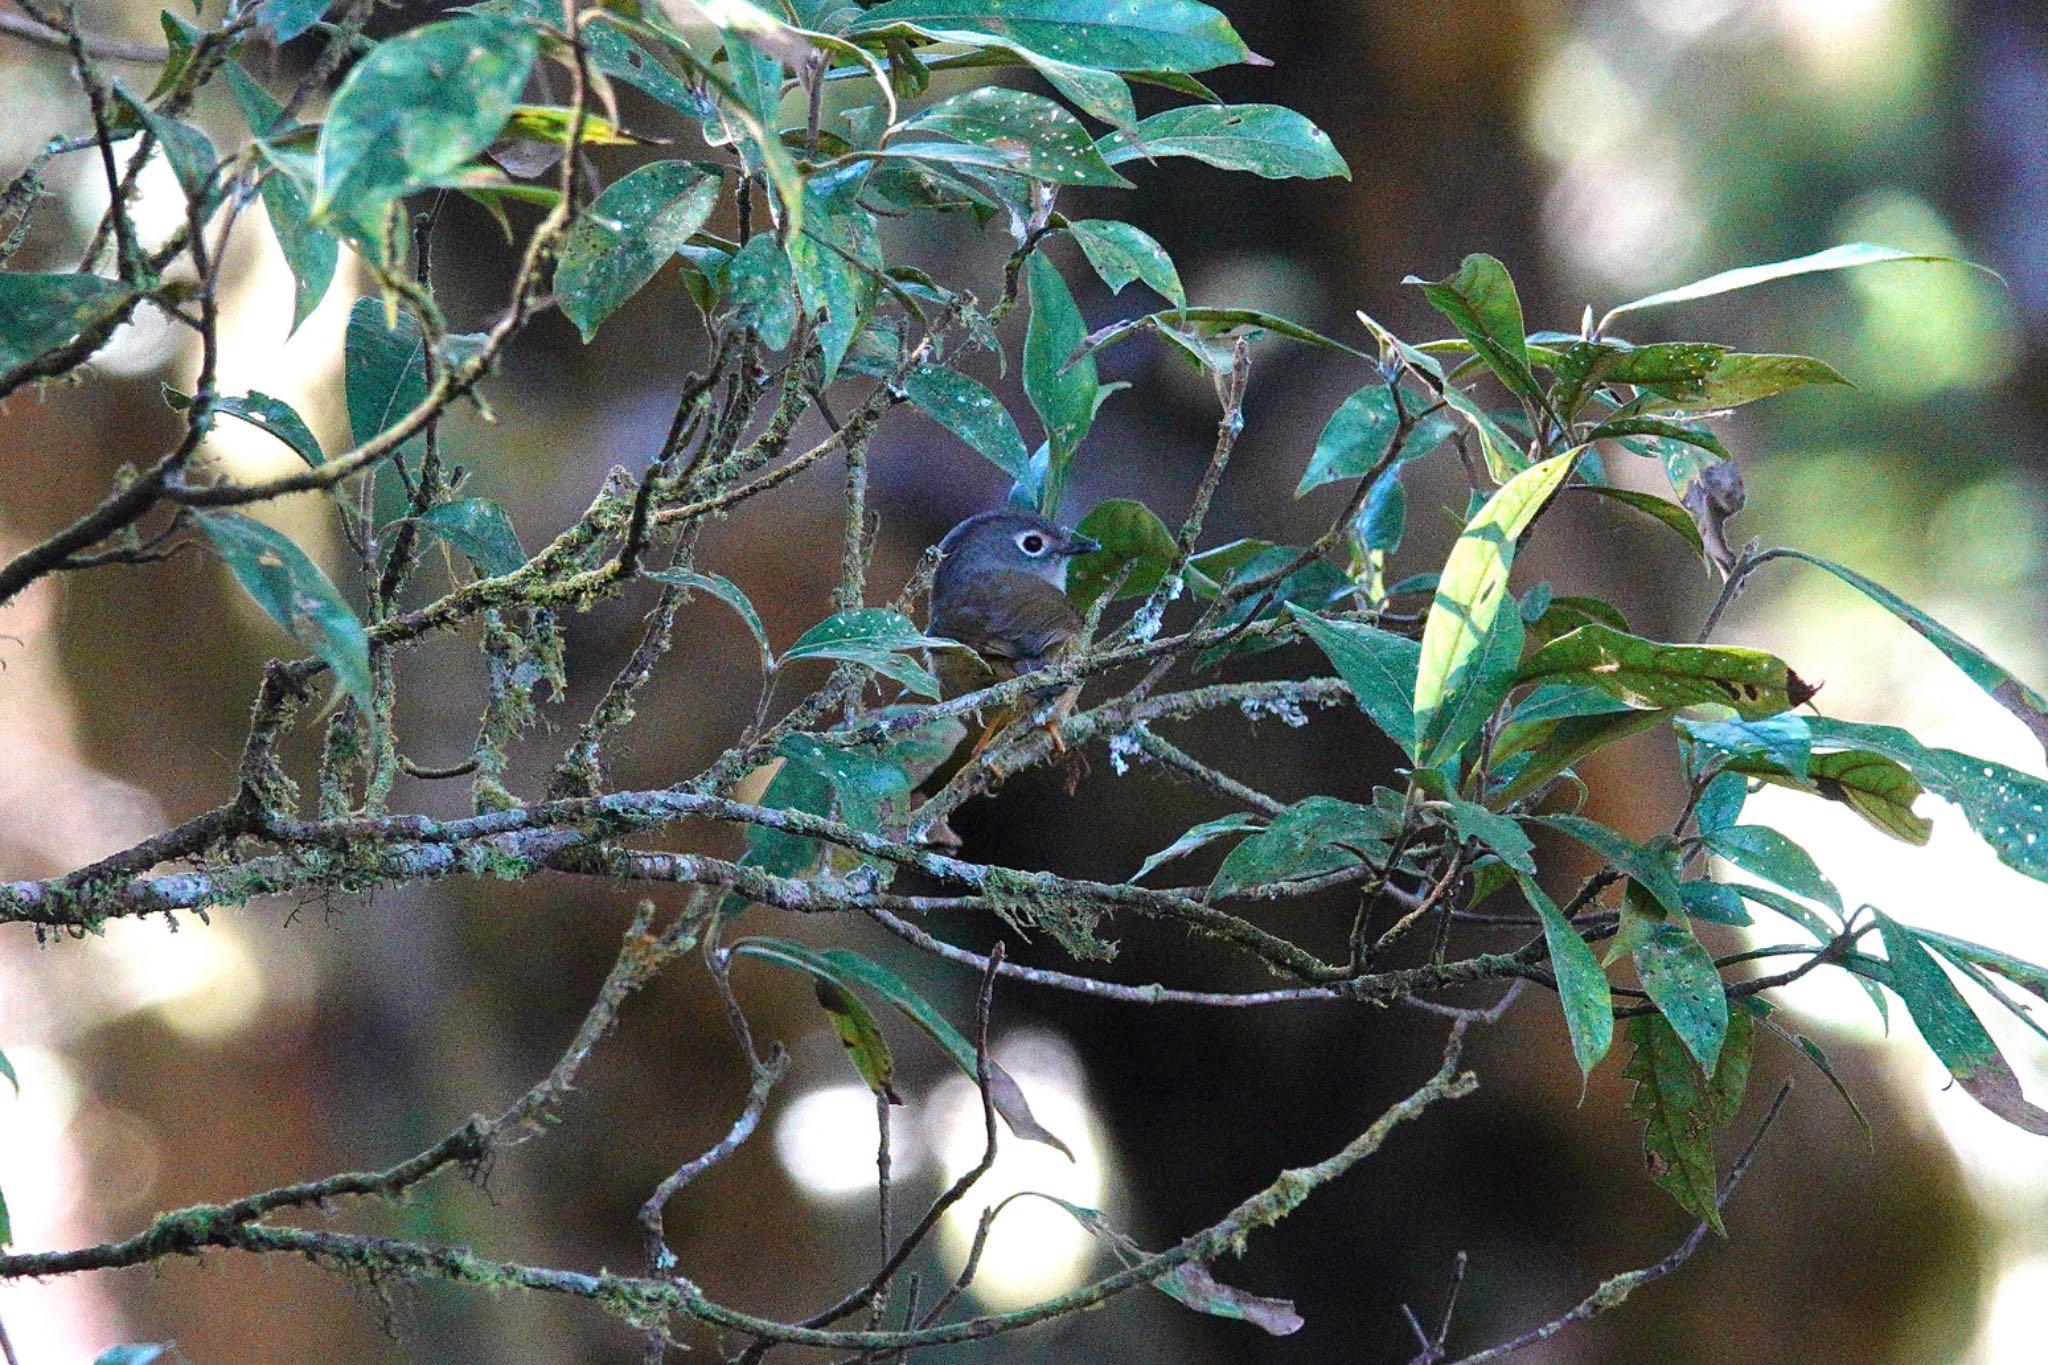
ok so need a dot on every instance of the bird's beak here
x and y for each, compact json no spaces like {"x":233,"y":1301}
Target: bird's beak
{"x":1082,"y":545}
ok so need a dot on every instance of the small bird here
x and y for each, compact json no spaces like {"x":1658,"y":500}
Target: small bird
{"x":1000,"y":590}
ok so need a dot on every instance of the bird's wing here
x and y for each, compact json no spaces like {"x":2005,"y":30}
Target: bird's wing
{"x":1013,"y":617}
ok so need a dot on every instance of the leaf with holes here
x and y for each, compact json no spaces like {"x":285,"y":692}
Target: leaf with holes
{"x":966,"y":408}
{"x":1121,"y":253}
{"x":1116,"y":35}
{"x":420,"y":105}
{"x":636,"y":225}
{"x":875,"y":638}
{"x":1650,"y":675}
{"x":1264,"y":139}
{"x":1680,"y":977}
{"x":1009,"y":130}
{"x":1681,"y":1107}
{"x":1313,"y":836}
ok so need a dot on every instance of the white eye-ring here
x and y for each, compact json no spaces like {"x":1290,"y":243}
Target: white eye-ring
{"x":1031,"y":543}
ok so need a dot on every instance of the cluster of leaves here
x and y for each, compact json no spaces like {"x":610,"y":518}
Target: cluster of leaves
{"x":780,"y":233}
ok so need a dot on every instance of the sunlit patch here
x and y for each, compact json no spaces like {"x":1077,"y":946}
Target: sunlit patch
{"x":38,"y":1168}
{"x":1579,"y":105}
{"x":1925,"y":327}
{"x":2017,"y":1321}
{"x":1035,"y":1248}
{"x":1624,"y":218}
{"x":1687,"y":18}
{"x":202,"y":982}
{"x":1990,"y":532}
{"x":825,"y":1140}
{"x":1868,"y":54}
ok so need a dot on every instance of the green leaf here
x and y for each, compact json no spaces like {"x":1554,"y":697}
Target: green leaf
{"x":1129,"y":533}
{"x":1682,"y":982}
{"x":874,"y":638}
{"x":1781,"y":744}
{"x":1952,"y":1031}
{"x":1468,"y":597}
{"x":1736,"y":378}
{"x":2003,"y":805}
{"x":2017,"y":970}
{"x":761,"y":289}
{"x":1649,"y":675}
{"x":286,"y":20}
{"x":1015,"y":131}
{"x":1482,"y":685}
{"x":837,"y":233}
{"x":1121,"y":253}
{"x":294,"y":593}
{"x":384,"y":368}
{"x":1880,"y":789}
{"x":1004,"y":1092}
{"x":310,"y":253}
{"x":1662,"y":509}
{"x":1313,"y":836}
{"x":1377,"y":665}
{"x":1264,"y":139}
{"x":1680,"y":1108}
{"x":420,"y":105}
{"x":1481,"y":302}
{"x":1744,"y":277}
{"x":1205,"y":833}
{"x":1582,"y":987}
{"x":635,"y":226}
{"x":861,"y":1035}
{"x":1763,"y":852}
{"x":2007,"y":690}
{"x":1714,"y":903}
{"x":39,"y":313}
{"x":275,"y":416}
{"x":728,"y":592}
{"x":480,"y":529}
{"x":967,"y":409}
{"x":1650,"y":866}
{"x":1361,"y":432}
{"x":1063,"y":395}
{"x":1116,"y":35}
{"x":1720,"y":805}
{"x":1571,"y":740}
{"x":1501,"y":833}
{"x":190,"y":152}
{"x":7,"y":1070}
{"x":1657,"y":427}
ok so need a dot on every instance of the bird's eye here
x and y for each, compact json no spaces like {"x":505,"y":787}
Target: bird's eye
{"x":1031,"y":543}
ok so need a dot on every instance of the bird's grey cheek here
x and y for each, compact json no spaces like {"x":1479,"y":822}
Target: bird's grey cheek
{"x":1059,"y":573}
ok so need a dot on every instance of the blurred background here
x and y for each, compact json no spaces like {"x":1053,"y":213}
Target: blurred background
{"x":1602,"y":150}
